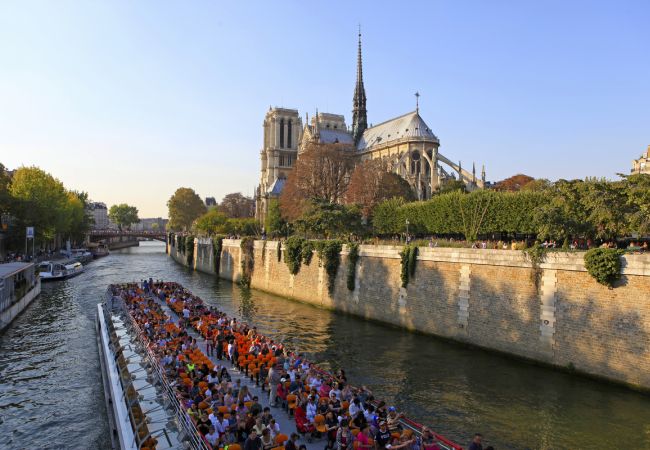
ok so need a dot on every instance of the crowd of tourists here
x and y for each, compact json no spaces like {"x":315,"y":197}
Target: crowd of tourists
{"x":229,"y":415}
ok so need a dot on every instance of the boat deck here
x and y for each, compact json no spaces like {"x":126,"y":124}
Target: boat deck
{"x":287,"y":424}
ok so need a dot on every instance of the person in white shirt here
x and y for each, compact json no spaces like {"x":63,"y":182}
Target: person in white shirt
{"x":212,"y":437}
{"x":312,"y":408}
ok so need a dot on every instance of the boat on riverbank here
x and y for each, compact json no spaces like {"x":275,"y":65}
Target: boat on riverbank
{"x":81,"y":255}
{"x":19,"y":285}
{"x":59,"y":270}
{"x":162,"y":313}
{"x":99,"y":250}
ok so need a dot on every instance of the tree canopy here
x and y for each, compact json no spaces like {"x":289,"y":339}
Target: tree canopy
{"x":185,"y":206}
{"x":123,"y":215}
{"x":237,"y":205}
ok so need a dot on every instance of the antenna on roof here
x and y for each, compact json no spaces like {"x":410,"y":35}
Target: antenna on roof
{"x":417,"y":102}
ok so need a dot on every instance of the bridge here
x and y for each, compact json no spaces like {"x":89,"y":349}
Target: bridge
{"x":96,"y":235}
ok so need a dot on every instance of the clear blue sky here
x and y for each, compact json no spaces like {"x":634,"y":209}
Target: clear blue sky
{"x":129,"y":100}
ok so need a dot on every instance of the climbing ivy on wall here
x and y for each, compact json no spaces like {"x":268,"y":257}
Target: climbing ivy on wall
{"x":189,"y":249}
{"x":330,"y":255}
{"x":247,"y":246}
{"x":293,"y":254}
{"x":307,"y":251}
{"x":604,"y":264}
{"x":353,"y":257}
{"x":217,"y":246}
{"x":279,"y":251}
{"x":408,"y":256}
{"x":536,"y":255}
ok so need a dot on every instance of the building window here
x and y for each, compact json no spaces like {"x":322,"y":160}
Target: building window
{"x":281,"y":160}
{"x":289,"y":160}
{"x":281,"y":133}
{"x":289,"y":134}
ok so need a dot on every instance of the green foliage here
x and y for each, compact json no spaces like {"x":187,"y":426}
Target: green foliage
{"x":275,"y":224}
{"x":189,"y":249}
{"x":330,"y":253}
{"x":408,"y":257}
{"x":185,"y":206}
{"x":536,"y":255}
{"x":247,"y":246}
{"x":242,"y":227}
{"x":329,"y":219}
{"x":293,"y":254}
{"x":353,"y":257}
{"x":123,"y":215}
{"x":386,"y":218}
{"x":604,"y":264}
{"x":211,"y":223}
{"x":307,"y":251}
{"x":217,"y":246}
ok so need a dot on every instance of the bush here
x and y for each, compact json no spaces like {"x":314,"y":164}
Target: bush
{"x":353,"y":257}
{"x":293,"y":254}
{"x":604,"y":264}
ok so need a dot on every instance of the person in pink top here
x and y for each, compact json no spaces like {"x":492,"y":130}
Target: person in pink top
{"x":324,"y":390}
{"x":363,"y":438}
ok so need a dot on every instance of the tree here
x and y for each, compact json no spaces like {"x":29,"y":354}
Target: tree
{"x":123,"y":215}
{"x":275,"y":223}
{"x":637,"y":188}
{"x":513,"y":183}
{"x":79,"y":221}
{"x":211,"y":223}
{"x":5,"y":195}
{"x":321,"y":173}
{"x":40,"y":201}
{"x":326,"y":219}
{"x":372,"y":183}
{"x":185,"y":206}
{"x":236,"y":205}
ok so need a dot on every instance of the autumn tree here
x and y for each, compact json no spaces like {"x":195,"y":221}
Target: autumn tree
{"x":513,"y":183}
{"x":371,"y":183}
{"x":236,"y":205}
{"x":321,"y":174}
{"x":123,"y":215}
{"x":185,"y":206}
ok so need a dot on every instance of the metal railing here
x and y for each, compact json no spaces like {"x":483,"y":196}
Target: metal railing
{"x":185,"y":423}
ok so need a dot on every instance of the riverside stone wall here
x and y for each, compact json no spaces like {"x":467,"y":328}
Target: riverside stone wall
{"x":482,"y":297}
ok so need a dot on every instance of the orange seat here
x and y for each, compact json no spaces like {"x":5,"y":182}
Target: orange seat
{"x":248,"y":405}
{"x":355,"y":431}
{"x":223,"y":409}
{"x":234,"y":447}
{"x":292,"y":400}
{"x":319,"y":421}
{"x":281,"y":438}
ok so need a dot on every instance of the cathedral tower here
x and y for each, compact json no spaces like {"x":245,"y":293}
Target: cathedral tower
{"x":359,"y":113}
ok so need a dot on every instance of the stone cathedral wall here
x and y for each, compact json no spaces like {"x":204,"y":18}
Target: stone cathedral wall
{"x":485,"y":298}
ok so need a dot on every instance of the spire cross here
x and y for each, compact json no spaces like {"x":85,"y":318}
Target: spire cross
{"x":417,"y":101}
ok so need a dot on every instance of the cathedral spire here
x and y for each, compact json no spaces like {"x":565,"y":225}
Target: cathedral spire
{"x":359,"y":113}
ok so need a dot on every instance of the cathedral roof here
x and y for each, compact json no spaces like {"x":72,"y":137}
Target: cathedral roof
{"x":277,"y":186}
{"x":408,"y":125}
{"x":331,"y":136}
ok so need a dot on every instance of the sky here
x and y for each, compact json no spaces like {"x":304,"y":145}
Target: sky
{"x":129,"y":100}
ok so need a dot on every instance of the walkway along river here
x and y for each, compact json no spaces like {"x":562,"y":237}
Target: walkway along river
{"x":51,"y":396}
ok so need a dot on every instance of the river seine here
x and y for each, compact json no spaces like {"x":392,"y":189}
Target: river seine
{"x":51,"y":394}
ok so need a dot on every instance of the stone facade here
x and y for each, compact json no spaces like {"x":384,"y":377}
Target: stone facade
{"x":642,"y":165}
{"x":486,"y":298}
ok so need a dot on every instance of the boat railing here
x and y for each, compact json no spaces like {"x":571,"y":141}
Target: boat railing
{"x":190,"y":432}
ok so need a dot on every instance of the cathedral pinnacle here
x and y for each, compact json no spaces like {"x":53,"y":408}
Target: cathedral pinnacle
{"x":359,"y":113}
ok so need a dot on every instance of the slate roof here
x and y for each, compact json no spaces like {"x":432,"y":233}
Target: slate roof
{"x":331,"y":136}
{"x":407,"y":125}
{"x":277,"y":186}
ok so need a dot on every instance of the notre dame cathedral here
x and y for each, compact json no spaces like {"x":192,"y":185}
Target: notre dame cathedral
{"x":406,"y":142}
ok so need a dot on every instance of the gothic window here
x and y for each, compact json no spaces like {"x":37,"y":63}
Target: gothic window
{"x":289,"y":160}
{"x":281,"y":160}
{"x":289,"y":135}
{"x":281,"y":133}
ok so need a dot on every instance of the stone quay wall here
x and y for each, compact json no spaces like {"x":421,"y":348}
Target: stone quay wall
{"x":486,"y":298}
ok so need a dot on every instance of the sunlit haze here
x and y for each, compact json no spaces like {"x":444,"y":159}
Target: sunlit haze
{"x":130,"y":100}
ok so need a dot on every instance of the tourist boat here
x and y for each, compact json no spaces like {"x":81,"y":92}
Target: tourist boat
{"x":59,"y":270}
{"x":188,"y":432}
{"x":81,"y":255}
{"x":100,"y":250}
